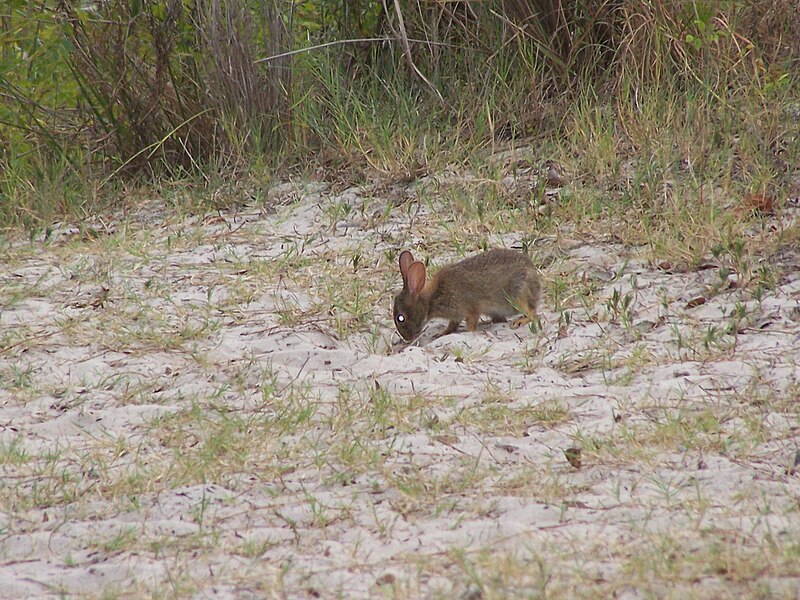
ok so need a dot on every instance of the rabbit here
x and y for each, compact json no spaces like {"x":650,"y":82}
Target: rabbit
{"x":498,"y":283}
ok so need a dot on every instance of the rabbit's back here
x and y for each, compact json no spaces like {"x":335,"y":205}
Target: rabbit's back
{"x":490,"y":283}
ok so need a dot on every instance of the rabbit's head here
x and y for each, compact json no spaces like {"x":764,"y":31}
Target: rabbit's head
{"x":411,"y":304}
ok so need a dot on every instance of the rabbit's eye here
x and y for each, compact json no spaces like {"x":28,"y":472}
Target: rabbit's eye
{"x":401,"y":318}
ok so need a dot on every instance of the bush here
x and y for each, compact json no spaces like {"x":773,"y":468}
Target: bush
{"x":131,"y":88}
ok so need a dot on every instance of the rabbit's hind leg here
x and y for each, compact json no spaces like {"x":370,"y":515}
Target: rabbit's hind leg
{"x":523,"y":320}
{"x":527,"y":306}
{"x":472,"y":320}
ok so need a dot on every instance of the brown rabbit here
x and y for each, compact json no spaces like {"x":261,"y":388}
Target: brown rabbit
{"x":498,"y":283}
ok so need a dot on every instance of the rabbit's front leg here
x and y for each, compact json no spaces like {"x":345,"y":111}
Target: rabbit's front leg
{"x":451,"y":327}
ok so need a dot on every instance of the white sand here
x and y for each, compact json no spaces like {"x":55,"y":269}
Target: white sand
{"x":685,"y":447}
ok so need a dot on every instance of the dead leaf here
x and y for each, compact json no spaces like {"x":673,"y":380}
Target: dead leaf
{"x":447,"y":438}
{"x":101,"y":299}
{"x":573,"y":456}
{"x":758,"y":203}
{"x":695,"y":302}
{"x":792,"y":469}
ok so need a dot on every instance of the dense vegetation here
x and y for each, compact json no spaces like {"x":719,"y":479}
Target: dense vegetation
{"x":97,"y":98}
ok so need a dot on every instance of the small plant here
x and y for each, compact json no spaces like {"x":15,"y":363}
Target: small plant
{"x":125,"y":538}
{"x":338,"y":211}
{"x":713,"y":339}
{"x":619,"y":306}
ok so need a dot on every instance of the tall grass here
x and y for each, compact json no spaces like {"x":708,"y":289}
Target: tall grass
{"x":171,"y":89}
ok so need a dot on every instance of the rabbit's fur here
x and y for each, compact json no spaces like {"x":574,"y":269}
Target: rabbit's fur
{"x":498,"y":283}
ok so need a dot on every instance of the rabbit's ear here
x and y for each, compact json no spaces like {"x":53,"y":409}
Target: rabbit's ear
{"x":416,"y":277}
{"x":406,"y":258}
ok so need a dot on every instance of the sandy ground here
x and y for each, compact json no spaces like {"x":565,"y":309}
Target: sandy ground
{"x":218,"y":407}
